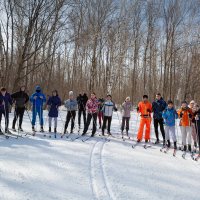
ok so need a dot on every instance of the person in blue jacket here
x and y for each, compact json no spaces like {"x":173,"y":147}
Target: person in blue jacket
{"x":37,"y":99}
{"x":158,"y":107}
{"x":53,"y":104}
{"x":170,"y":115}
{"x":5,"y":101}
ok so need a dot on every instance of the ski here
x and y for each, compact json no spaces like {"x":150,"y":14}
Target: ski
{"x":76,"y":138}
{"x":183,"y":155}
{"x":166,"y":150}
{"x":88,"y":138}
{"x":174,"y":153}
{"x":146,"y":146}
{"x":162,"y":149}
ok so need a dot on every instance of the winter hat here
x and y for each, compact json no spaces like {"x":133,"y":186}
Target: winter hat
{"x":109,"y":95}
{"x":71,"y":93}
{"x":37,"y":88}
{"x":192,"y":102}
{"x":128,"y":98}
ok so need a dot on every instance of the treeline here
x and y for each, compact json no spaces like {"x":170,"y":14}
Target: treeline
{"x":122,"y":47}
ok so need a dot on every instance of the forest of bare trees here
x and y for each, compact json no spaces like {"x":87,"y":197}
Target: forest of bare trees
{"x":122,"y":47}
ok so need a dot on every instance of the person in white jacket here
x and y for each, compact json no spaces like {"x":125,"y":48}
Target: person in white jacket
{"x":107,"y":110}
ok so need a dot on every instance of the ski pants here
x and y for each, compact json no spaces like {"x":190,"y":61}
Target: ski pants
{"x":100,"y":117}
{"x":161,"y":124}
{"x":105,"y":120}
{"x":186,"y":134}
{"x":170,"y":130}
{"x":198,"y":133}
{"x":194,"y":132}
{"x":70,"y":116}
{"x":19,"y":112}
{"x":39,"y":112}
{"x":91,"y":116}
{"x":6,"y":116}
{"x":144,"y":122}
{"x":80,"y":112}
{"x":125,"y":121}
{"x":55,"y":121}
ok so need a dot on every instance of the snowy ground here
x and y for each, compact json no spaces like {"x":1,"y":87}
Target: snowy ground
{"x":39,"y":168}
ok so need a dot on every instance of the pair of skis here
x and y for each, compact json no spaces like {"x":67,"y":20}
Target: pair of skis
{"x":145,"y":146}
{"x":165,"y":149}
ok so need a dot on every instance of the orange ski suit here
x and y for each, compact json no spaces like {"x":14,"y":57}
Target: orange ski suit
{"x":145,"y":109}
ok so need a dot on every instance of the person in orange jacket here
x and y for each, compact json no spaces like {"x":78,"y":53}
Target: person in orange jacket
{"x":145,"y":110}
{"x":185,"y":114}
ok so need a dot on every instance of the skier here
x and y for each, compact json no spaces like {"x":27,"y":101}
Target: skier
{"x":81,"y":100}
{"x":170,"y":115}
{"x":92,"y":108}
{"x":126,"y":110}
{"x":53,"y":104}
{"x":197,"y":118}
{"x":185,"y":115}
{"x":100,"y":113}
{"x":5,"y":101}
{"x":20,"y":100}
{"x":107,"y":109}
{"x":71,"y":105}
{"x":145,"y":109}
{"x":37,"y":99}
{"x":158,"y":106}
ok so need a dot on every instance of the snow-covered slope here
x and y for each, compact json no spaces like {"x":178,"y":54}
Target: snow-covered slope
{"x":39,"y":168}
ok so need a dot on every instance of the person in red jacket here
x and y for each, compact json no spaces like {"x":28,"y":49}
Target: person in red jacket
{"x":145,"y":110}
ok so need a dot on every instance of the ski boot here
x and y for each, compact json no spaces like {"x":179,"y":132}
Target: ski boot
{"x":20,"y":129}
{"x":49,"y":129}
{"x":157,"y":141}
{"x":42,"y":129}
{"x":168,"y":143}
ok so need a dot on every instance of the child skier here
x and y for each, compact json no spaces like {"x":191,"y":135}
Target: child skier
{"x":145,"y":109}
{"x":53,"y":104}
{"x":185,"y":114}
{"x":92,"y":108}
{"x":107,"y":109}
{"x":37,"y":99}
{"x":126,"y":110}
{"x":5,"y":101}
{"x":71,"y":105}
{"x":170,"y":115}
{"x":20,"y":99}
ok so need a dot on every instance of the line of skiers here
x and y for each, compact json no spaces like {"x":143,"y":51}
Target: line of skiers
{"x":164,"y":115}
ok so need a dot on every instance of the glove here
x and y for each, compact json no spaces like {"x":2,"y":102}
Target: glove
{"x":148,"y":110}
{"x":137,"y":109}
{"x":181,"y":115}
{"x":190,"y":116}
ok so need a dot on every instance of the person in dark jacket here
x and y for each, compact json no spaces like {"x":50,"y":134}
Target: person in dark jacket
{"x":37,"y":99}
{"x":53,"y":104}
{"x":100,"y":113}
{"x":81,"y":100}
{"x":158,"y":107}
{"x":5,"y":101}
{"x":20,"y":99}
{"x":197,"y":118}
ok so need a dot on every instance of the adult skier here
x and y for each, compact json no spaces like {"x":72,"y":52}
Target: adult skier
{"x":53,"y":104}
{"x":185,"y":115}
{"x":71,"y":105}
{"x":126,"y":114}
{"x":158,"y":106}
{"x":82,"y":100}
{"x":92,"y":108}
{"x":37,"y":99}
{"x":107,"y":109}
{"x":100,"y":113}
{"x":20,"y":99}
{"x":5,"y":102}
{"x":145,"y":110}
{"x":170,"y":115}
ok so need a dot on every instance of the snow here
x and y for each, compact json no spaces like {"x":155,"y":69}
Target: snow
{"x":42,"y":168}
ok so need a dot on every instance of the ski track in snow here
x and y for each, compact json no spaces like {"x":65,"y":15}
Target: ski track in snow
{"x":100,"y":187}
